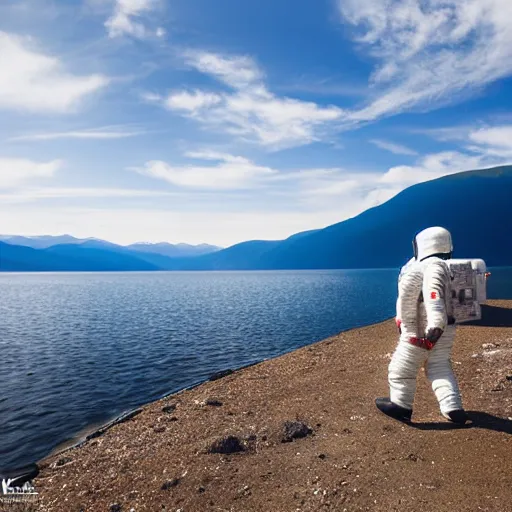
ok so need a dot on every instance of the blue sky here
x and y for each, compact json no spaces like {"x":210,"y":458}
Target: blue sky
{"x":222,"y":121}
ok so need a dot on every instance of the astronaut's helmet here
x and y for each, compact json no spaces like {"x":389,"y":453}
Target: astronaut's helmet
{"x":435,"y":241}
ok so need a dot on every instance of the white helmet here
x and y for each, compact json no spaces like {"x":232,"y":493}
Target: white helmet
{"x":432,"y":241}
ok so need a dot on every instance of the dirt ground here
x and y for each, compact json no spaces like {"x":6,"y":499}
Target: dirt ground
{"x":352,"y":459}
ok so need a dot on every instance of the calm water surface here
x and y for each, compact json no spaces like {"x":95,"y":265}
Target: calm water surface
{"x":78,"y":349}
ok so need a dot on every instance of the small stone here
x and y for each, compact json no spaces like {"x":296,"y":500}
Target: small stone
{"x":213,"y":402}
{"x":62,"y":462}
{"x":227,"y":445}
{"x":488,"y":346}
{"x":170,"y":484}
{"x":169,"y":408}
{"x":159,"y":428}
{"x":509,"y":377}
{"x":201,"y":490}
{"x":115,"y":507}
{"x":322,"y":456}
{"x":295,"y":430}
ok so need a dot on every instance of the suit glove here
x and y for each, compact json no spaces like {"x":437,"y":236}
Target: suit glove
{"x":433,"y":334}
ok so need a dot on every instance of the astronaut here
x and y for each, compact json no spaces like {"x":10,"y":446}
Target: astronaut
{"x":427,"y":330}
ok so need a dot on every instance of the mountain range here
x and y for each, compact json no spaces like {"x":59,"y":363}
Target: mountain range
{"x":67,"y":253}
{"x":476,"y":206}
{"x":163,"y":248}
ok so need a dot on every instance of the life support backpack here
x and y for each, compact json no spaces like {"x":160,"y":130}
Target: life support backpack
{"x":469,"y":288}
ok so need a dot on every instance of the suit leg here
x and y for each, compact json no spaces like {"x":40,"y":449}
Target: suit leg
{"x":439,"y":372}
{"x":403,"y":371}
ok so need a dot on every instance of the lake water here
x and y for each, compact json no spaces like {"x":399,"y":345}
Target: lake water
{"x":77,"y":349}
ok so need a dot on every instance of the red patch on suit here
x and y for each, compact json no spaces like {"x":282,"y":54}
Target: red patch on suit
{"x":433,"y":295}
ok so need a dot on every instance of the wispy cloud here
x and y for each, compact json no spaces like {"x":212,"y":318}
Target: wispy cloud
{"x":192,"y":102}
{"x":127,"y":19}
{"x":491,"y":142}
{"x":94,"y":134}
{"x":321,"y":188}
{"x":237,"y":71}
{"x":392,"y":147}
{"x":36,"y":82}
{"x":431,"y":52}
{"x":495,"y":141}
{"x":432,"y":166}
{"x":481,"y":147}
{"x":228,"y":172}
{"x":249,"y":110}
{"x":17,"y":171}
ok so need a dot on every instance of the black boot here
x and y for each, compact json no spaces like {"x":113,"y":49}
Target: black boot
{"x":459,"y":416}
{"x":394,"y":411}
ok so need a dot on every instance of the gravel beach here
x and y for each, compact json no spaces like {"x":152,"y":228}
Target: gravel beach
{"x":301,"y":433}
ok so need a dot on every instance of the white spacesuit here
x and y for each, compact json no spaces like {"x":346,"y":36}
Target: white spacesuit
{"x":427,"y":330}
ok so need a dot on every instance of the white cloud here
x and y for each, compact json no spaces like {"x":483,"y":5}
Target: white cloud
{"x":484,"y":147}
{"x":123,"y":20}
{"x":151,"y":97}
{"x":17,"y":171}
{"x":249,"y":111}
{"x":39,"y":83}
{"x":193,"y":102}
{"x":496,"y":140}
{"x":492,"y":143}
{"x":236,"y":71}
{"x":216,"y":156}
{"x":229,"y":172}
{"x":430,"y":51}
{"x":397,"y":149}
{"x":431,"y":167}
{"x":446,"y":134}
{"x":95,"y":134}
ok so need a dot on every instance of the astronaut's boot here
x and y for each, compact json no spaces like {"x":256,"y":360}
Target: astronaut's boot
{"x":395,"y":411}
{"x":459,"y":416}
